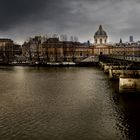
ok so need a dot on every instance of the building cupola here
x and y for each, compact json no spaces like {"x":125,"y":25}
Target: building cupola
{"x":100,"y":36}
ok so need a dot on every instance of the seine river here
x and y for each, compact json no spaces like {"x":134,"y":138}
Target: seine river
{"x":65,"y":104}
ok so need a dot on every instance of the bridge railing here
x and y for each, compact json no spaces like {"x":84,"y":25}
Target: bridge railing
{"x":132,"y":58}
{"x":111,"y":57}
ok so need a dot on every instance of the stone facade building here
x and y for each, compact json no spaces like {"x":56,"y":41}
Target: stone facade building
{"x":53,"y":50}
{"x":8,"y":50}
{"x":100,"y":45}
{"x":100,"y":36}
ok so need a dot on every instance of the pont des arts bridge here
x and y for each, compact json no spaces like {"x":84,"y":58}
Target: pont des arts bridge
{"x":125,"y":69}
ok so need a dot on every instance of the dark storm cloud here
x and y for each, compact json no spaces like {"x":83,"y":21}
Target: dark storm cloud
{"x":20,"y":18}
{"x":15,"y":11}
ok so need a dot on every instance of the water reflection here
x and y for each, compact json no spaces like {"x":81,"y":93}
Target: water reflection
{"x":64,"y":103}
{"x":128,"y":116}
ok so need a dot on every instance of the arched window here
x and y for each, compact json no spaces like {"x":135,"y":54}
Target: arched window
{"x":101,"y":41}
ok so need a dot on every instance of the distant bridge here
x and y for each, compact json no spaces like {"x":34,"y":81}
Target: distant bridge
{"x":120,"y":59}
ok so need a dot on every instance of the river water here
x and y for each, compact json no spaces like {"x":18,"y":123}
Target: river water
{"x":65,"y":104}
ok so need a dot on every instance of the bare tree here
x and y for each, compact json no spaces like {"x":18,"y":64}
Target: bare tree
{"x":37,"y":43}
{"x":55,"y":36}
{"x":28,"y":46}
{"x":64,"y":39}
{"x":73,"y":40}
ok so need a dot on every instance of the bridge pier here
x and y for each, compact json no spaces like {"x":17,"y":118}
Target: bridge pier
{"x":114,"y":74}
{"x":112,"y":67}
{"x":129,"y":84}
{"x":126,"y":71}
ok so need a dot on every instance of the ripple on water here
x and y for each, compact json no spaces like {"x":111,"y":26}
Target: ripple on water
{"x":62,"y":103}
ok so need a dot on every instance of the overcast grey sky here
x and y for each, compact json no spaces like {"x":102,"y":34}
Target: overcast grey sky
{"x":20,"y":19}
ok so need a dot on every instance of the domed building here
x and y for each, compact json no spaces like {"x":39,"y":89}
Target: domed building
{"x":100,"y":42}
{"x":100,"y":36}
